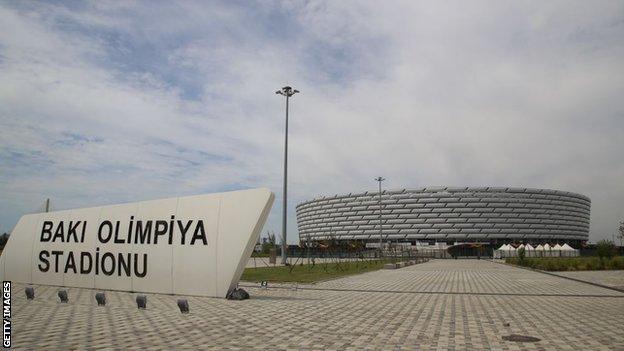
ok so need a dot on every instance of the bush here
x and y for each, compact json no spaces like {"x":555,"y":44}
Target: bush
{"x":570,"y":263}
{"x":521,"y":254}
{"x":605,"y":249}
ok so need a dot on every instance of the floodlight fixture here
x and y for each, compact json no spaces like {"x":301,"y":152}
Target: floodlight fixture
{"x":287,"y":91}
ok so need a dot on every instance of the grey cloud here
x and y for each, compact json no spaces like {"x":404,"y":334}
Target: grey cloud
{"x":444,"y":93}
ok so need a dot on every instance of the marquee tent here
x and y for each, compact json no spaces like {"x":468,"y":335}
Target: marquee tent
{"x":511,"y":251}
{"x":568,"y":251}
{"x":545,"y":250}
{"x":498,"y":253}
{"x":566,"y":247}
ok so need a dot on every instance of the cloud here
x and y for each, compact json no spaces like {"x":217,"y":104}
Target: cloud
{"x":106,"y":102}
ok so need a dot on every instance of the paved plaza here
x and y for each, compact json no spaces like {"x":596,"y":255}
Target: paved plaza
{"x":439,"y":305}
{"x":614,"y":279}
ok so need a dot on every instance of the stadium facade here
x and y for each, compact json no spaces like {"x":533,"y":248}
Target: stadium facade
{"x":448,"y":214}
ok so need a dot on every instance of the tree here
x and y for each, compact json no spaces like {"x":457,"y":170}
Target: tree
{"x":271,"y":237}
{"x":521,"y":255}
{"x":268,"y":242}
{"x":605,"y":249}
{"x":621,"y":232}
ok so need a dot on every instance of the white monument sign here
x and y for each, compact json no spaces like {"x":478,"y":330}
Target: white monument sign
{"x":194,"y":245}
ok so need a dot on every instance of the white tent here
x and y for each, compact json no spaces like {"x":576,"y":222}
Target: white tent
{"x":539,"y":250}
{"x":505,"y":250}
{"x":556,"y":251}
{"x":521,"y":246}
{"x":568,"y":251}
{"x":499,"y":253}
{"x":530,"y":250}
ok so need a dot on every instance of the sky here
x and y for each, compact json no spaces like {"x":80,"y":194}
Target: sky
{"x":107,"y":102}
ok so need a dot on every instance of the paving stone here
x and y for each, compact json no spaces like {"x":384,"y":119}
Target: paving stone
{"x":439,"y":305}
{"x":613,"y":279}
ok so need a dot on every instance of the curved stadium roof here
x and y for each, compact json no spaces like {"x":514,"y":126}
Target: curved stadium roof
{"x":448,"y":213}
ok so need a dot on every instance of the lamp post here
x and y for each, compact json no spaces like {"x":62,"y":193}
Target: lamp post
{"x":380,"y":179}
{"x":287,"y":92}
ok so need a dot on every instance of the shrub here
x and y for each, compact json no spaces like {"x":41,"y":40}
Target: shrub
{"x":605,"y":249}
{"x":551,"y":265}
{"x":521,"y":254}
{"x":569,"y":263}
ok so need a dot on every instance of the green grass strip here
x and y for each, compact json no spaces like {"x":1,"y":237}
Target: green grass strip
{"x":310,"y":273}
{"x":557,"y":264}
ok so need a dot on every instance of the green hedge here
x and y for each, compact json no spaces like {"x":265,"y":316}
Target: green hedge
{"x":570,"y":263}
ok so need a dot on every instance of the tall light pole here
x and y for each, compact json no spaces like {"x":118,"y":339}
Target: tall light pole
{"x":287,"y":92}
{"x":380,"y":179}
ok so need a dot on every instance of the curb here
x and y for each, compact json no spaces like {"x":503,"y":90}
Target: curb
{"x":561,"y":276}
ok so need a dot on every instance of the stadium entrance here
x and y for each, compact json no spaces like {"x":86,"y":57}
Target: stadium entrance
{"x":470,"y":250}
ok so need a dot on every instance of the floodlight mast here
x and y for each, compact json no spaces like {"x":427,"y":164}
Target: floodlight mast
{"x":380,"y":179}
{"x":287,"y":92}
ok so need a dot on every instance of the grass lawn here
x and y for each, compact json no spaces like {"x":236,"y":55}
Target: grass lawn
{"x":570,"y":263}
{"x":309,"y":273}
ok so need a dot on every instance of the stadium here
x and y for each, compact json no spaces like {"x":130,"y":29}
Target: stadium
{"x":450,"y":215}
